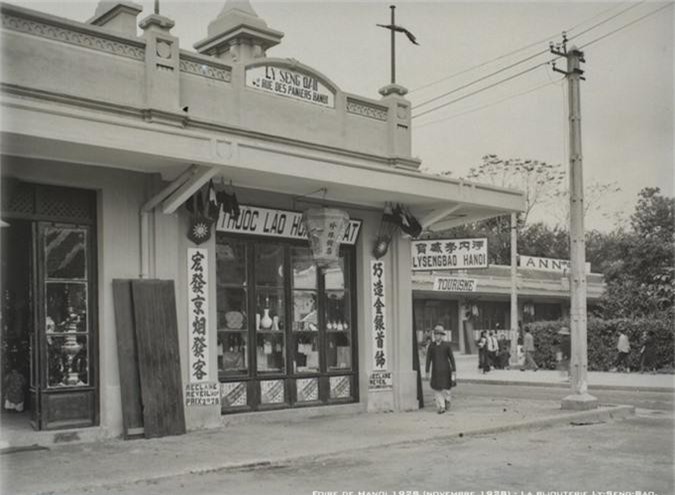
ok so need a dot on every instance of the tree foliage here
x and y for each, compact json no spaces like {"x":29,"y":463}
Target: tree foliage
{"x":639,"y":270}
{"x":537,"y":179}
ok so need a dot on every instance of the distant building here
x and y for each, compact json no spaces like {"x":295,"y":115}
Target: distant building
{"x":469,"y":301}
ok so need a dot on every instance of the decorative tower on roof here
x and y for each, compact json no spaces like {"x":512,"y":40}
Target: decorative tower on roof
{"x":238,"y":34}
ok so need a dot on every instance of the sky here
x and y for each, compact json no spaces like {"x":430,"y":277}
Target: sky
{"x":626,"y":100}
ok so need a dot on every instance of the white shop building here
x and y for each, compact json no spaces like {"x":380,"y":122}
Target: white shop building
{"x":108,"y":133}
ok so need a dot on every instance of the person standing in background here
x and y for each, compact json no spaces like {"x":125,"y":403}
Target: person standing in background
{"x":623,"y":348}
{"x":483,"y":362}
{"x":528,"y":348}
{"x":442,"y":363}
{"x":492,"y":347}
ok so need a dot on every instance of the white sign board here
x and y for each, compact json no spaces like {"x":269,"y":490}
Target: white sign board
{"x":380,"y":380}
{"x":254,"y":220}
{"x":379,"y":321}
{"x":444,"y":254}
{"x":291,"y":84}
{"x":454,"y":284}
{"x":548,"y":264}
{"x":198,"y":314}
{"x":202,"y":394}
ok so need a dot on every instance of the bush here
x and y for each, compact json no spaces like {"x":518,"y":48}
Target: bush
{"x":602,"y":339}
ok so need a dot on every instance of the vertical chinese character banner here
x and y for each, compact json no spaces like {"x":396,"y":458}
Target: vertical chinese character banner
{"x":198,"y":314}
{"x":378,"y":302}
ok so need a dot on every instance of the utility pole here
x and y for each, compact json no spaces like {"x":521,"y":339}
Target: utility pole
{"x":393,"y":45}
{"x":514,"y":290}
{"x":579,"y":397}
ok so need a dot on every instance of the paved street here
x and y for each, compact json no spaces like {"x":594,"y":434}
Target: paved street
{"x":627,"y":455}
{"x":660,"y":400}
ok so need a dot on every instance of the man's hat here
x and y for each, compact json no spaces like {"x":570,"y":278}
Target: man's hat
{"x":439,"y":329}
{"x":564,"y":331}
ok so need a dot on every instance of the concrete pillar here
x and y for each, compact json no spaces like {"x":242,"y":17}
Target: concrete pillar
{"x":405,"y":378}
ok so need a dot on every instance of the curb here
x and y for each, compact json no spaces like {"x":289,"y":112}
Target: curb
{"x":626,"y":388}
{"x":600,"y":414}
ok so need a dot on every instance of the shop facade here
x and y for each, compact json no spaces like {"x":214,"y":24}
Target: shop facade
{"x":468,"y":302}
{"x":107,"y":135}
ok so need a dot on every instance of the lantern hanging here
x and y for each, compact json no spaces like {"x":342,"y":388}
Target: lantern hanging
{"x":388,"y":226}
{"x":325,"y":229}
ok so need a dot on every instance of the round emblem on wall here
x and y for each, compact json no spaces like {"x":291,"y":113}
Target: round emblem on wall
{"x":163,"y":49}
{"x":402,"y":112}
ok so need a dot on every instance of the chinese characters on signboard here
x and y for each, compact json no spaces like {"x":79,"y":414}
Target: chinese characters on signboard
{"x":378,"y":303}
{"x":198,"y":314}
{"x":444,"y":254}
{"x":202,"y":394}
{"x":291,"y":84}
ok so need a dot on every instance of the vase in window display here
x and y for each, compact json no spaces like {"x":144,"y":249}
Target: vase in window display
{"x":339,"y":327}
{"x":275,"y":323}
{"x":70,"y":348}
{"x":266,"y":321}
{"x":257,"y":321}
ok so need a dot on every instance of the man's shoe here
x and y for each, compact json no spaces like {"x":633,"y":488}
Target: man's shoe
{"x":440,"y":411}
{"x":447,"y":404}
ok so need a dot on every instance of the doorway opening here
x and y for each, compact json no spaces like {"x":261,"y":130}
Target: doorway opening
{"x":16,"y":314}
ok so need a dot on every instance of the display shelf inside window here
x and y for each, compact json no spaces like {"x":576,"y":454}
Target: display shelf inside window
{"x":66,"y":329}
{"x":338,"y":330}
{"x":232,"y":352}
{"x":305,"y":332}
{"x":270,"y":352}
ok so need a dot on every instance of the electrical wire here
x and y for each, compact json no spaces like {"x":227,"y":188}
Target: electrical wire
{"x":464,"y":86}
{"x":518,"y":74}
{"x":632,"y":6}
{"x":483,"y":107}
{"x":541,"y":64}
{"x":634,"y":21}
{"x":522,"y":61}
{"x":513,"y":52}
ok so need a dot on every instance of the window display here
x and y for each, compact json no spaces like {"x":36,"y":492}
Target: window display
{"x":66,"y":315}
{"x":232,"y":294}
{"x":299,"y":325}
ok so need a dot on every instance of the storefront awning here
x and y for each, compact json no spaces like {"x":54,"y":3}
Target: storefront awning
{"x":44,"y":131}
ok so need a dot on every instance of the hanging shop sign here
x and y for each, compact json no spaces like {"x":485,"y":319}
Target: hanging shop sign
{"x":454,"y":284}
{"x":198,"y":314}
{"x":379,"y":329}
{"x":547,"y":264}
{"x":444,"y":254}
{"x":288,"y":224}
{"x":291,"y":84}
{"x":202,"y":394}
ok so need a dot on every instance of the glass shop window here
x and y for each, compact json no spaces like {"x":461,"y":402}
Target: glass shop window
{"x":232,"y":291}
{"x":67,"y":319}
{"x":283,"y":324}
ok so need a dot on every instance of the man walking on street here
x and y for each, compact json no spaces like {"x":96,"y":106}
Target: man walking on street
{"x":528,"y":347}
{"x":443,"y":371}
